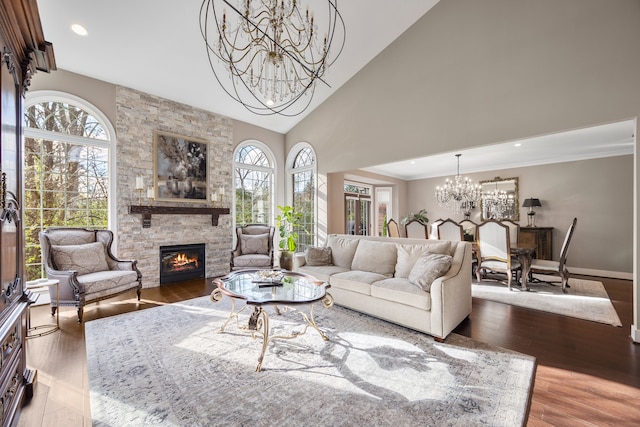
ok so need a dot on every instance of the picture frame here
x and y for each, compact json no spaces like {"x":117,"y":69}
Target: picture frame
{"x":180,"y":168}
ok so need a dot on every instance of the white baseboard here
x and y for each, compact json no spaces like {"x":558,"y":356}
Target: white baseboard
{"x":601,"y":273}
{"x":635,"y":334}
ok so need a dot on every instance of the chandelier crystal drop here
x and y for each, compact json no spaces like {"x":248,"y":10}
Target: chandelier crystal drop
{"x":272,"y":50}
{"x":458,"y":192}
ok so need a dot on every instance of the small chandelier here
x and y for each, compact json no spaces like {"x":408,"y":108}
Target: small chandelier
{"x":498,"y":204}
{"x":271,"y":51}
{"x":458,"y":192}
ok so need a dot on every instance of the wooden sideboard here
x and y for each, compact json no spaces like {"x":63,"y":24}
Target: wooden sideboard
{"x":541,"y":237}
{"x":24,"y":51}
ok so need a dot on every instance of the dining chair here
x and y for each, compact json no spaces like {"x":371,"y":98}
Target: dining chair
{"x":392,"y":228}
{"x":557,"y":268}
{"x":469,"y":227}
{"x":494,"y":251}
{"x":514,"y":230}
{"x":450,"y":230}
{"x":414,"y":229}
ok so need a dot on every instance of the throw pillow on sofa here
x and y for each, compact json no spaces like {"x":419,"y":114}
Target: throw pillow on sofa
{"x":317,"y":256}
{"x":408,"y":254}
{"x":428,"y":268}
{"x":254,"y":244}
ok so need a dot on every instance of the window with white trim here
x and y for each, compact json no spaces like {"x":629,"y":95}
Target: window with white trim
{"x":303,"y":181}
{"x":66,"y":168}
{"x":254,"y":176}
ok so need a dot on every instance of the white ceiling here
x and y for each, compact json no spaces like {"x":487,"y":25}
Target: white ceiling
{"x":614,"y":139}
{"x":155,"y":46}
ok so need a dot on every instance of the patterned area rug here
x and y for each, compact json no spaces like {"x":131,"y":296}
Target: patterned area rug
{"x":169,"y":366}
{"x":586,"y":299}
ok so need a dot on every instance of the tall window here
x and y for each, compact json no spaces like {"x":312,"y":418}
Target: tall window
{"x":253,"y":184}
{"x":66,"y":170}
{"x":303,"y":176}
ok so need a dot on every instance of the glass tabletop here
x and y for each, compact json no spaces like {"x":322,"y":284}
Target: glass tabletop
{"x":272,"y":287}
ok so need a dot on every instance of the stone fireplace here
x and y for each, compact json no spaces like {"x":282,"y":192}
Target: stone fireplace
{"x":182,"y":262}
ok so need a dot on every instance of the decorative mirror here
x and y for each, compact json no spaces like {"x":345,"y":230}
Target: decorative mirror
{"x":499,"y":199}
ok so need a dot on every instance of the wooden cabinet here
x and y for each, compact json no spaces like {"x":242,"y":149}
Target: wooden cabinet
{"x":24,"y":51}
{"x":541,"y":237}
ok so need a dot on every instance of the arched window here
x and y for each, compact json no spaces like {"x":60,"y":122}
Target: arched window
{"x":303,"y":180}
{"x":67,"y":149}
{"x":254,"y":172}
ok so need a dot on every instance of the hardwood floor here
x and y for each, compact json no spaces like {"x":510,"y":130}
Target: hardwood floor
{"x":588,"y":374}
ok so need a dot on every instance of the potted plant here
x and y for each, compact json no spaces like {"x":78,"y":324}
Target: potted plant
{"x":421,"y":216}
{"x":287,"y":221}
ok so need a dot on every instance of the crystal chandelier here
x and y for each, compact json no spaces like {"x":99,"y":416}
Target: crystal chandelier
{"x":498,"y":204}
{"x":271,"y":50}
{"x":458,"y":192}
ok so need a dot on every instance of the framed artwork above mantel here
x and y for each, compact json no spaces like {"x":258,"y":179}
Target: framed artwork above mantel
{"x":180,"y":168}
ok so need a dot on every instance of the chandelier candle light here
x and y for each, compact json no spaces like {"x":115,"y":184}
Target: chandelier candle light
{"x":271,"y":50}
{"x":458,"y":191}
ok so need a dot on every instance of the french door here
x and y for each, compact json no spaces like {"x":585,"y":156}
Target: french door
{"x":358,"y":214}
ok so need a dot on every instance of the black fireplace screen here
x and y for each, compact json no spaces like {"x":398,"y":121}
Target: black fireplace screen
{"x":181,"y":262}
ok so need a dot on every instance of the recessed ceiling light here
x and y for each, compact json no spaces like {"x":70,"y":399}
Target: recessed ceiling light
{"x":413,"y":162}
{"x":517,"y":144}
{"x":79,"y":30}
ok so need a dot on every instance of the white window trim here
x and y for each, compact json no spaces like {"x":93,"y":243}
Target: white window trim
{"x":39,"y":96}
{"x":272,"y":159}
{"x":291,"y":157}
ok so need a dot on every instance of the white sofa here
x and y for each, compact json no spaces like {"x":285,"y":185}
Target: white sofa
{"x":371,"y":275}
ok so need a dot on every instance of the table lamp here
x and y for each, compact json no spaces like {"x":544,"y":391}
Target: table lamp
{"x":531,"y":203}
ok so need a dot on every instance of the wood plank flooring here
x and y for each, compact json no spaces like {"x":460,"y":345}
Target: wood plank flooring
{"x":588,"y":374}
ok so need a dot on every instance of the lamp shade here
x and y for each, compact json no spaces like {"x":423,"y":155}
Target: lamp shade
{"x":529,"y":203}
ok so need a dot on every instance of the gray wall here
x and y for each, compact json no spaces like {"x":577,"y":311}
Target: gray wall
{"x":471,"y":73}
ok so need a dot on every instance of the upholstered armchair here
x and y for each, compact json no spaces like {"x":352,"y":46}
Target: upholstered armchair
{"x":254,"y":247}
{"x":87,"y":271}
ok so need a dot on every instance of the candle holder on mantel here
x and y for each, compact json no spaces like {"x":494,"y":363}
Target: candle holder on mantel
{"x":150,"y":195}
{"x":139,"y":187}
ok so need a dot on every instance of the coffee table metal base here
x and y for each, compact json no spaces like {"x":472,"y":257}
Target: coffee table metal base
{"x":258,"y":325}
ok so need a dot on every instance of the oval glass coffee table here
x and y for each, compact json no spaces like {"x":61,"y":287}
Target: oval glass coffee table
{"x":281,"y":289}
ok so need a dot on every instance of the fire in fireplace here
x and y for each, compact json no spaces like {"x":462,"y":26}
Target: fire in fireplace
{"x":181,"y":262}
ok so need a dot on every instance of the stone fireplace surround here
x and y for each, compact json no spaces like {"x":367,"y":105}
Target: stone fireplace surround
{"x":138,"y":115}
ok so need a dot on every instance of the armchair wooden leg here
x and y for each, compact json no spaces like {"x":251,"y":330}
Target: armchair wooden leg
{"x":53,"y":310}
{"x":138,"y":292}
{"x":80,"y":313}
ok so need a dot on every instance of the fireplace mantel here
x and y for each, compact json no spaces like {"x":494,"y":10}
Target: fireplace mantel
{"x":147,"y":211}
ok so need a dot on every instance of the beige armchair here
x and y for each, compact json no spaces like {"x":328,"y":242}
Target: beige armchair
{"x":87,"y":271}
{"x":254,"y":247}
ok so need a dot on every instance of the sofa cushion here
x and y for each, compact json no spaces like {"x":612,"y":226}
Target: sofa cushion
{"x":356,"y":281}
{"x":317,"y":256}
{"x":376,"y":257}
{"x":85,"y":258}
{"x":252,"y":261}
{"x":428,"y":268}
{"x":401,"y":291}
{"x":322,"y":272}
{"x":105,"y":283}
{"x":342,"y":250}
{"x":254,"y":244}
{"x":408,"y":254}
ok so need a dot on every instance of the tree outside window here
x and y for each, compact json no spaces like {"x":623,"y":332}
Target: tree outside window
{"x":253,"y":185}
{"x":303,"y":175}
{"x":66,"y":173}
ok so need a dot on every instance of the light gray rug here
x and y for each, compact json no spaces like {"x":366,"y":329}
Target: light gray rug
{"x":168,"y":366}
{"x":586,"y":299}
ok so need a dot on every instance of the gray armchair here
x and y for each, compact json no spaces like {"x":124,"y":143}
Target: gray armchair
{"x":87,"y":271}
{"x":254,"y":247}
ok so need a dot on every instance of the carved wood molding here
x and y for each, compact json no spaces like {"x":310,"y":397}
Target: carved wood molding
{"x":147,"y":211}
